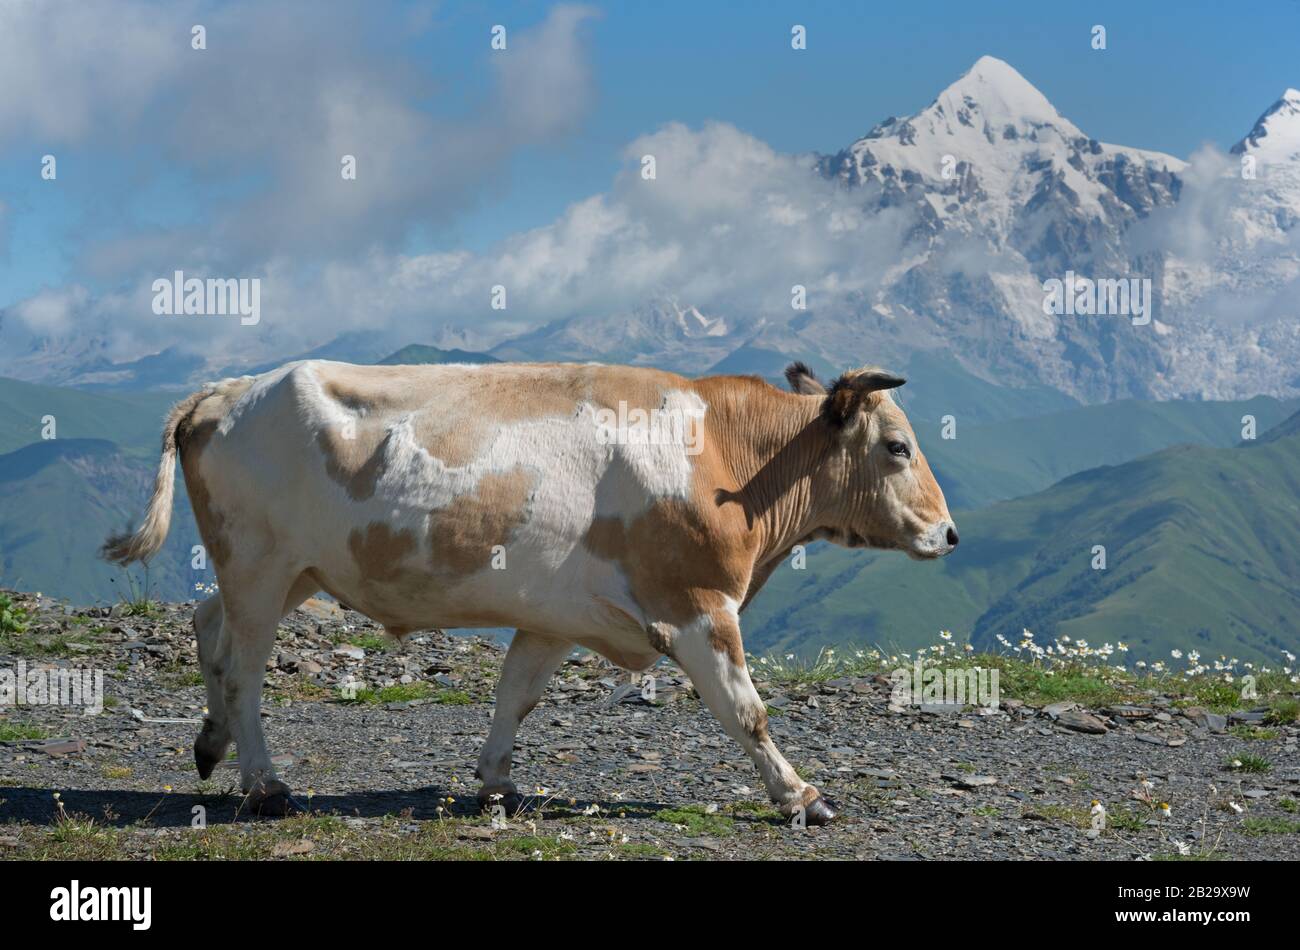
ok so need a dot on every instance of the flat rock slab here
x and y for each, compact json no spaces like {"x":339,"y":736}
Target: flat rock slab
{"x":1081,"y":721}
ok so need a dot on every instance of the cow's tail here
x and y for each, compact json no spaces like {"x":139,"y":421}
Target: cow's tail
{"x":149,"y":537}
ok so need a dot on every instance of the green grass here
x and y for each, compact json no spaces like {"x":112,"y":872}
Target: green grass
{"x":697,"y":821}
{"x":1249,"y":762}
{"x":406,"y":692}
{"x":399,"y":693}
{"x":1257,"y":827}
{"x":1253,"y":732}
{"x":1118,"y":817}
{"x":1284,"y":711}
{"x":754,"y":810}
{"x":13,"y":618}
{"x":452,"y":697}
{"x":15,"y":732}
{"x":370,"y":642}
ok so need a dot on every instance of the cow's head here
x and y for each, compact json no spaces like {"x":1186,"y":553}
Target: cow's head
{"x":878,"y":488}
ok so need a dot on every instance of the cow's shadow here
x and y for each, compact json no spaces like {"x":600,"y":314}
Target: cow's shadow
{"x":122,"y":809}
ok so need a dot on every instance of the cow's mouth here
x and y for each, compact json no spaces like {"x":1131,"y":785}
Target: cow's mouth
{"x":855,"y":540}
{"x":923,"y":554}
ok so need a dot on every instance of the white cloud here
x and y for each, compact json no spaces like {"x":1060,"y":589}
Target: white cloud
{"x":728,"y":223}
{"x":267,"y":111}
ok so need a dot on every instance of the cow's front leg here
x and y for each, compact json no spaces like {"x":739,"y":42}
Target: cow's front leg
{"x":529,"y":664}
{"x":709,"y":649}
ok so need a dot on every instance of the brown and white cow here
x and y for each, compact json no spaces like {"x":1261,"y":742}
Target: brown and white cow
{"x":628,"y":510}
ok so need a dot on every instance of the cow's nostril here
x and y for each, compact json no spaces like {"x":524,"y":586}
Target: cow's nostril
{"x":952,"y":536}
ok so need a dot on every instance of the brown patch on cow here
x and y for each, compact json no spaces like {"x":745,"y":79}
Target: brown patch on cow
{"x":724,"y":637}
{"x":379,"y":550}
{"x":606,"y":538}
{"x":753,"y":719}
{"x":679,"y":562}
{"x":193,"y":434}
{"x":809,"y":795}
{"x":463,"y":533}
{"x":355,"y":463}
{"x":211,"y":522}
{"x":661,"y":637}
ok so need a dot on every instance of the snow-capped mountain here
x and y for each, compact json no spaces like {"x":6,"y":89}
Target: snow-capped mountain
{"x":1007,"y":194}
{"x":991,"y":154}
{"x":1232,"y":272}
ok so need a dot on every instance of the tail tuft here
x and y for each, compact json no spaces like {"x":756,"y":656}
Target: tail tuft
{"x":148,"y":539}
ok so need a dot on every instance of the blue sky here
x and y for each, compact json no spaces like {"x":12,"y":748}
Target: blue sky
{"x":1170,"y":79}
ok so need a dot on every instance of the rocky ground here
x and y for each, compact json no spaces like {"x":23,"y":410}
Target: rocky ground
{"x":389,"y":772}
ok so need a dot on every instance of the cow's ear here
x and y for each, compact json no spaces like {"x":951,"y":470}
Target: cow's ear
{"x":802,"y":380}
{"x":848,"y":394}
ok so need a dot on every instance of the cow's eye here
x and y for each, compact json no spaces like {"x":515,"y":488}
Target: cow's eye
{"x":898,"y":448}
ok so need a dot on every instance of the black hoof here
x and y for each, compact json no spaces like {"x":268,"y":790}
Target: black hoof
{"x":204,"y":762}
{"x":820,"y":811}
{"x":208,"y":753}
{"x":279,"y":805}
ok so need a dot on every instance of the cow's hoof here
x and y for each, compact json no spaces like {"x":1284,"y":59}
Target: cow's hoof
{"x":278,"y":806}
{"x":512,"y":803}
{"x":209,"y":748}
{"x":272,"y":800}
{"x":820,"y":811}
{"x":204,"y":761}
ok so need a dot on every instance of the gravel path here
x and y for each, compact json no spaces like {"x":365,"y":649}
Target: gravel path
{"x":395,"y":778}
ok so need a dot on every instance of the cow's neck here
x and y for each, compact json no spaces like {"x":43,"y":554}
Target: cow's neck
{"x":772,"y":446}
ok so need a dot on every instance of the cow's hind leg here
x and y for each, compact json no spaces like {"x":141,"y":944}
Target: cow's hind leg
{"x":214,"y":659}
{"x":709,"y":650}
{"x":530,"y":663}
{"x":213,"y":740}
{"x":252,"y":604}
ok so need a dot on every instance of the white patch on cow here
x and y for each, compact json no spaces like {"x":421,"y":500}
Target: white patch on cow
{"x":262,"y":386}
{"x":729,"y":692}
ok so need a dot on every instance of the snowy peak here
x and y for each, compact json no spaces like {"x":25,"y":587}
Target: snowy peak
{"x":991,"y":101}
{"x":693,"y":323}
{"x":992,"y":157}
{"x":993,"y":91}
{"x":1277,"y":132}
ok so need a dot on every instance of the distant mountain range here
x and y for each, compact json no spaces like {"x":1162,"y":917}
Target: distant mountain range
{"x":1003,"y":193}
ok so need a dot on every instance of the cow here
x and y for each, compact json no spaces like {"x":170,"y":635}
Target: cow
{"x":627,"y":510}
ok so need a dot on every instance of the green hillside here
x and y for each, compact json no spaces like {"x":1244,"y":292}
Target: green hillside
{"x":60,"y":499}
{"x":1201,"y":554}
{"x":132,"y":420}
{"x":995,"y":461}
